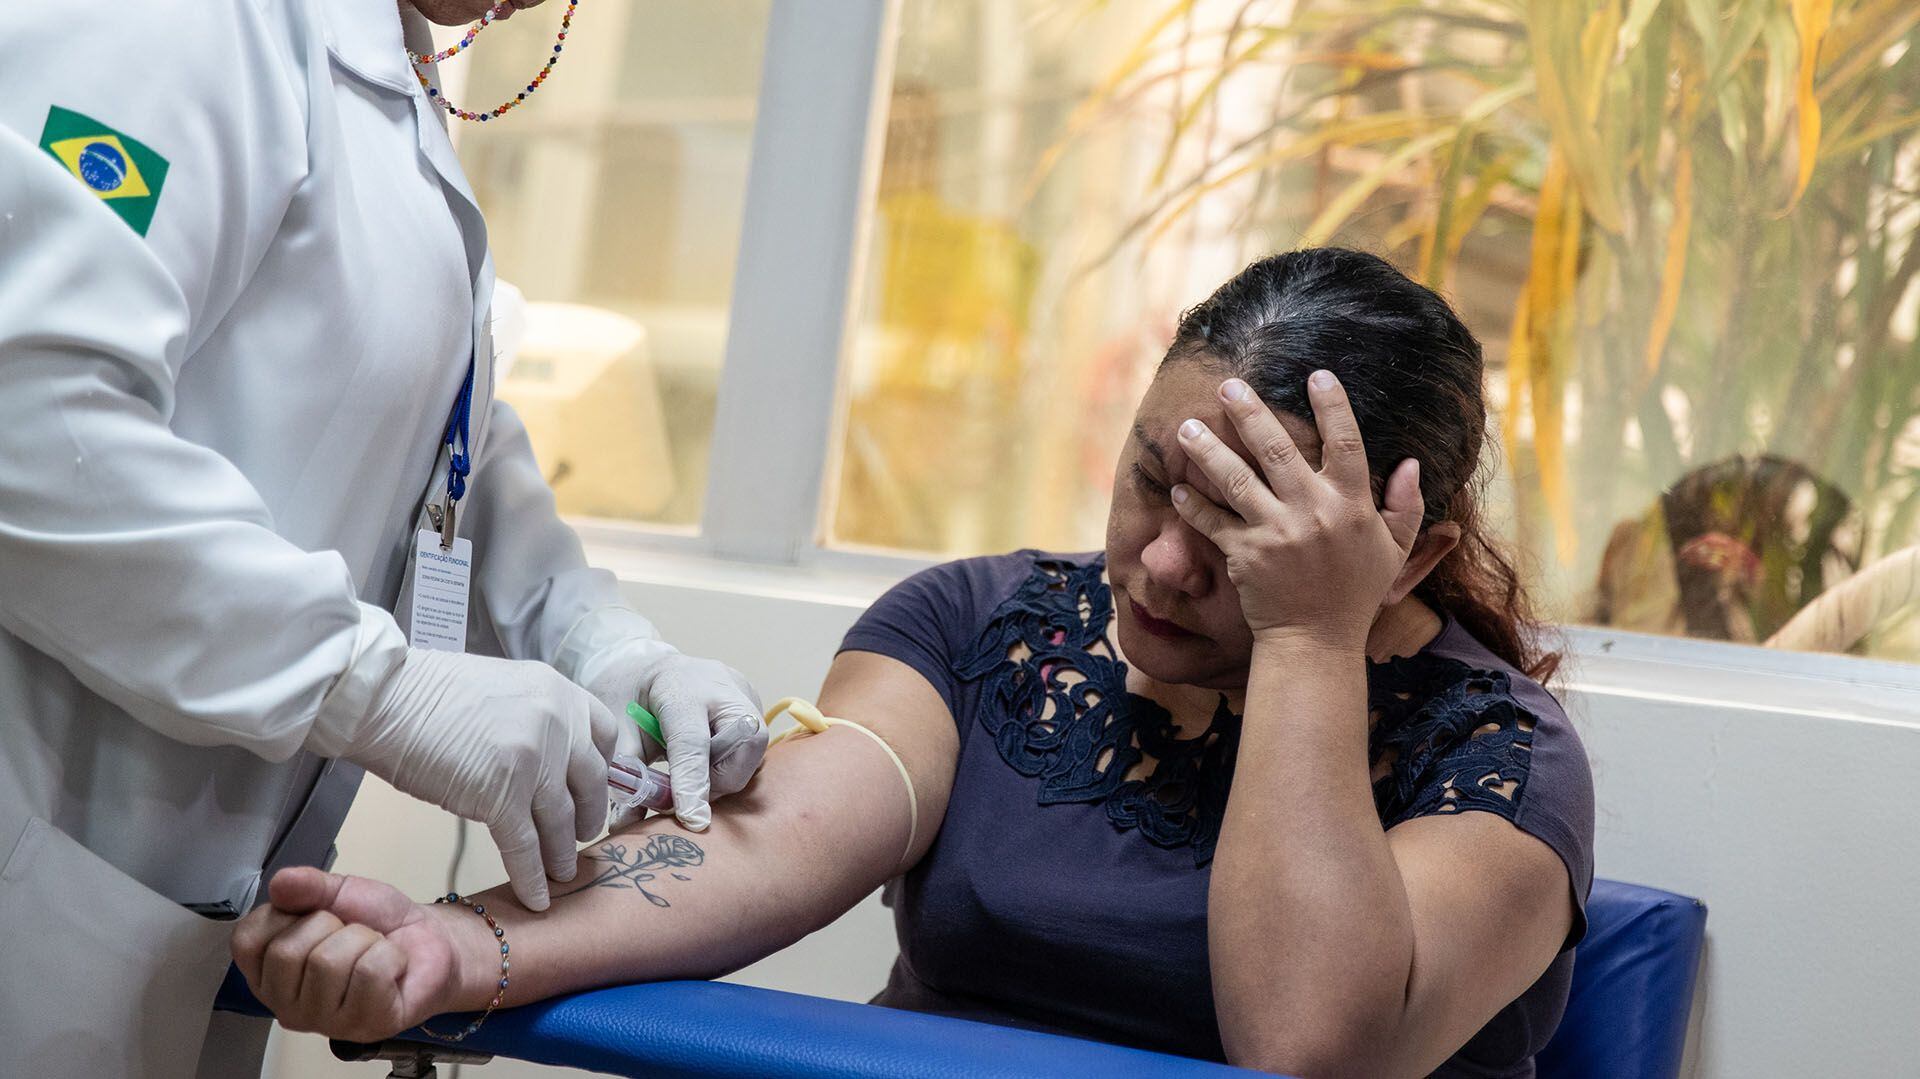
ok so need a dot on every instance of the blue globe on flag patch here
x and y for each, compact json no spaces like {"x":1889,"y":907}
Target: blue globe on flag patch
{"x":118,"y":169}
{"x":102,"y":167}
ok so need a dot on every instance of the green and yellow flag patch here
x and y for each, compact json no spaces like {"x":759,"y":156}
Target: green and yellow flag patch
{"x":120,"y":169}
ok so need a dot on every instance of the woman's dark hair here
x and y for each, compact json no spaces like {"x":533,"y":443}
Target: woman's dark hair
{"x":1413,"y":372}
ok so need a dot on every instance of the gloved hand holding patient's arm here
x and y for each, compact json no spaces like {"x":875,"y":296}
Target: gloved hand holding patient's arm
{"x":512,"y":744}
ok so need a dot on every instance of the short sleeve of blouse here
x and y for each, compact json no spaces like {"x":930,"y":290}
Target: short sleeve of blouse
{"x":1467,"y":737}
{"x":928,"y":620}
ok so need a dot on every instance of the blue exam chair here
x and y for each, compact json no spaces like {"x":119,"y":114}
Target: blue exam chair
{"x":1633,"y":981}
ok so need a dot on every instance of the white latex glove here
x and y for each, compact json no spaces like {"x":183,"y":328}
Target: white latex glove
{"x":514,"y":745}
{"x":708,"y":711}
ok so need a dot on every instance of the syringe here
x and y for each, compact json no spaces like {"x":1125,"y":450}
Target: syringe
{"x":631,"y":782}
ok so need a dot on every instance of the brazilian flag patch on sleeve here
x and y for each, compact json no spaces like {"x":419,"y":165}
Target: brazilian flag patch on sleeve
{"x":120,"y":169}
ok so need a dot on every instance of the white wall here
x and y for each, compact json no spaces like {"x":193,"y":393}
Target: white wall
{"x":1777,"y":788}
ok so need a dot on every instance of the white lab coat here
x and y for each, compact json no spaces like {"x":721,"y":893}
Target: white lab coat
{"x":215,"y":445}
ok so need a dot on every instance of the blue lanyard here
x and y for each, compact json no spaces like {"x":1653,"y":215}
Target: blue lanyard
{"x":458,"y":464}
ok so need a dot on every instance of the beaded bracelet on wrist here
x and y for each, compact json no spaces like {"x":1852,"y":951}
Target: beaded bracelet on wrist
{"x":499,"y":935}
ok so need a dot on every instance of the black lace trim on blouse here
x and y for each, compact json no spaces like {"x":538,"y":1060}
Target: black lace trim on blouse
{"x":1057,"y":709}
{"x":1453,"y":736}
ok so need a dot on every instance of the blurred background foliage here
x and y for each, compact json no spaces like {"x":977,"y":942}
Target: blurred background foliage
{"x":1715,"y":203}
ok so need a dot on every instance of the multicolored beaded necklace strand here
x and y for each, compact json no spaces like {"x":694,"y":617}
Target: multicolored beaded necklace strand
{"x":420,"y":62}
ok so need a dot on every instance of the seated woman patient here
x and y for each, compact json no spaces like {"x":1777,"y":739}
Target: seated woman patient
{"x":1271,"y":780}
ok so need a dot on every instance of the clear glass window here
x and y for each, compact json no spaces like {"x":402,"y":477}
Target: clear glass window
{"x":1684,"y":234}
{"x":614,"y":199}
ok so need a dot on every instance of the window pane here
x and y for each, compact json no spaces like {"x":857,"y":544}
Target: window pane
{"x":613,"y":199}
{"x":1712,"y":415}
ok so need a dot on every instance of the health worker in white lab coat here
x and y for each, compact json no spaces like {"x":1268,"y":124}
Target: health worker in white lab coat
{"x":243,"y":284}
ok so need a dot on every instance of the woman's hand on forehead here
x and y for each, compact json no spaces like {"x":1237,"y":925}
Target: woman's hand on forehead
{"x":1179,"y":465}
{"x":1197,"y":478}
{"x":1307,"y":548}
{"x":1305,"y":440}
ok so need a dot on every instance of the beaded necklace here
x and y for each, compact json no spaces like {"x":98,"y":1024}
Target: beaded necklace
{"x":421,"y":62}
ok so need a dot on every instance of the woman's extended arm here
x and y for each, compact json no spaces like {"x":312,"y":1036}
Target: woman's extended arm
{"x":1340,"y":948}
{"x":823,"y":824}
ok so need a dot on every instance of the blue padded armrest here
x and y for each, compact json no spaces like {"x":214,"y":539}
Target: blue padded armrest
{"x":1633,"y":983}
{"x":716,"y":1030}
{"x":1626,"y":1018}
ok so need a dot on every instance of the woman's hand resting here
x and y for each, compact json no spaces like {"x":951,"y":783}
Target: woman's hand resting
{"x":346,"y":957}
{"x":1310,"y":554}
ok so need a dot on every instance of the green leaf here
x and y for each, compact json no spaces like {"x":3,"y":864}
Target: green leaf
{"x":1635,"y":26}
{"x":1704,"y":17}
{"x":1844,"y":146}
{"x":1733,"y":118}
{"x":1433,"y":255}
{"x":1360,"y":130}
{"x":1569,"y":81}
{"x":1470,"y":209}
{"x":1749,"y":18}
{"x":1783,"y":64}
{"x":1653,"y":93}
{"x":1103,"y":95}
{"x":1228,"y":68}
{"x":1342,"y":206}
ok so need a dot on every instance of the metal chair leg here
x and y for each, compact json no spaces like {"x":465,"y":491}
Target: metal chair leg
{"x":411,"y":1060}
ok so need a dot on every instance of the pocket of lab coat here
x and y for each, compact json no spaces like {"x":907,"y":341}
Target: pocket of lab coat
{"x":101,"y":975}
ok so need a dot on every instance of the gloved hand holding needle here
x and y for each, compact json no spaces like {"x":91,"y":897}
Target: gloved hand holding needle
{"x":511,"y":744}
{"x":522,"y":748}
{"x":708,"y":721}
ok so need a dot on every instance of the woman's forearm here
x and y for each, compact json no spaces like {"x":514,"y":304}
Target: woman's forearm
{"x":823,"y":824}
{"x":1310,"y":926}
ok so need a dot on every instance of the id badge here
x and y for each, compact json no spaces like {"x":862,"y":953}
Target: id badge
{"x":440,"y":582}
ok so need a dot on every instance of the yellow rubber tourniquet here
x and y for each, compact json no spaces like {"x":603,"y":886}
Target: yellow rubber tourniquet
{"x":812,"y":722}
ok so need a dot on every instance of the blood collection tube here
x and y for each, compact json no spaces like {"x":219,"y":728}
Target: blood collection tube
{"x":631,"y":783}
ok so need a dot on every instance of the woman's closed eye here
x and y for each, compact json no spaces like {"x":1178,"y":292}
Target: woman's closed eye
{"x":1149,"y":486}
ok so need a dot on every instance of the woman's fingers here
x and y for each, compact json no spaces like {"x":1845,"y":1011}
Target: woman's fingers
{"x":1199,"y":511}
{"x":285,"y":967}
{"x":323,"y":990}
{"x":1343,"y":453}
{"x":1403,"y":508}
{"x":1246,"y":493}
{"x":373,"y":1003}
{"x":385,"y":967}
{"x":1273,"y":449}
{"x":252,"y":935}
{"x":303,"y":889}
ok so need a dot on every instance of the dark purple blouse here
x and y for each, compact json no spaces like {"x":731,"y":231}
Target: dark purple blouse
{"x":1061,"y":896}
